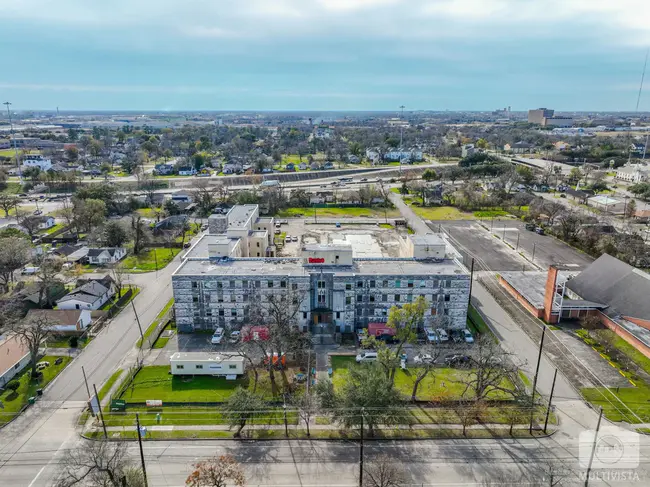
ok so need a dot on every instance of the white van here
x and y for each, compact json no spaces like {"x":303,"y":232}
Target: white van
{"x":366,"y":357}
{"x":444,"y":337}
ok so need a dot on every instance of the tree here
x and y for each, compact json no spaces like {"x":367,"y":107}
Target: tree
{"x":307,"y":406}
{"x":368,"y":394}
{"x":14,"y":254}
{"x":114,"y":234}
{"x":31,"y":331}
{"x":139,"y":233}
{"x":7,"y":202}
{"x":72,"y":154}
{"x":569,"y":225}
{"x":482,"y":144}
{"x":490,"y":371}
{"x":383,"y":471}
{"x":429,"y":175}
{"x":552,"y":209}
{"x":30,"y":223}
{"x":89,"y":213}
{"x":99,"y":463}
{"x":525,"y":174}
{"x":423,"y":369}
{"x":216,"y":472}
{"x":47,"y":279}
{"x":240,"y":407}
{"x":575,"y":174}
{"x":468,"y":413}
{"x":630,"y":209}
{"x":203,"y":196}
{"x":117,"y":273}
{"x":591,"y":323}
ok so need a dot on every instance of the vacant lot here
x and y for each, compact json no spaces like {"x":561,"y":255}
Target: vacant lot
{"x":441,"y":213}
{"x":333,"y":212}
{"x":150,"y":260}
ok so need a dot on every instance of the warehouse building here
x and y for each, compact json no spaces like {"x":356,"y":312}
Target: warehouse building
{"x":337,"y":291}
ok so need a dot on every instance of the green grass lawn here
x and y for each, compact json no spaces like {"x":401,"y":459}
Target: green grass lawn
{"x":162,"y":341}
{"x":333,"y":212}
{"x":441,"y":384}
{"x":151,"y":328}
{"x":14,"y":402}
{"x":12,"y":188}
{"x":64,"y":342}
{"x":441,"y":213}
{"x":51,"y":230}
{"x":478,"y":325}
{"x":637,"y":399}
{"x":490,"y":213}
{"x":146,"y":212}
{"x":109,"y":383}
{"x":146,"y":261}
{"x":387,"y":226}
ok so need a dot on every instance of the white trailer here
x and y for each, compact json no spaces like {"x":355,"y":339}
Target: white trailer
{"x":205,"y":363}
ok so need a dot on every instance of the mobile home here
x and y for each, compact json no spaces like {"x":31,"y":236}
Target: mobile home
{"x":205,"y":363}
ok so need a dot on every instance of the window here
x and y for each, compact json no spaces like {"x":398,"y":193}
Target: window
{"x":258,"y":254}
{"x":434,"y":311}
{"x":269,"y":283}
{"x":233,"y":312}
{"x":320,"y":284}
{"x":338,"y":315}
{"x":383,"y":312}
{"x":283,"y":284}
{"x":384,"y":284}
{"x":208,"y":312}
{"x":258,"y":284}
{"x":304,"y":315}
{"x":199,"y":366}
{"x":245,"y":298}
{"x":372,"y":283}
{"x":232,"y":284}
{"x":221,"y":312}
{"x":258,"y":245}
{"x":348,"y":300}
{"x":219,"y":285}
{"x":359,"y":283}
{"x":384,"y":297}
{"x":321,"y":299}
{"x":195,"y":299}
{"x":232,"y":366}
{"x":219,"y":299}
{"x":447,"y":297}
{"x":372,"y":299}
{"x":397,"y":298}
{"x":398,"y":283}
{"x":348,"y":287}
{"x":409,"y":298}
{"x":244,"y":284}
{"x":423,"y":283}
{"x":195,"y":284}
{"x":180,"y":366}
{"x":445,"y":312}
{"x":409,"y":284}
{"x":294,"y":286}
{"x":359,"y":298}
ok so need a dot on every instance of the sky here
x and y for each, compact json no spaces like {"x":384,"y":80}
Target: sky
{"x":324,"y":54}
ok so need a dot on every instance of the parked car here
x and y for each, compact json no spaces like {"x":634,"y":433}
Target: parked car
{"x":530,"y":226}
{"x":234,"y":336}
{"x":423,"y":359}
{"x":277,"y":224}
{"x":187,"y":245}
{"x":432,"y":336}
{"x":42,"y":365}
{"x":469,"y":338}
{"x":278,"y":231}
{"x":30,"y":270}
{"x":38,"y":212}
{"x":217,"y":336}
{"x":456,"y":359}
{"x":363,"y":180}
{"x":366,"y":357}
{"x":294,"y":238}
{"x":539,"y":231}
{"x":287,"y":239}
{"x":444,"y":337}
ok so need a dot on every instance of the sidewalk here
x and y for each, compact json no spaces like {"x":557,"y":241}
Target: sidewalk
{"x":415,"y":222}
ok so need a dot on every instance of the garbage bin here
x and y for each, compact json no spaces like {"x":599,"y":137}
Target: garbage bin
{"x":31,"y":400}
{"x":39,"y":392}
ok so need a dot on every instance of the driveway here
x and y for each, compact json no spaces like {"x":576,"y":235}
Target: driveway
{"x":416,"y":223}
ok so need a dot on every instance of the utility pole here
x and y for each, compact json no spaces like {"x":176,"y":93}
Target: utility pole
{"x":548,"y":408}
{"x":361,"y":452}
{"x":593,"y":448}
{"x":286,"y":428}
{"x":13,"y":138}
{"x":471,"y":279}
{"x":144,"y":467}
{"x":517,"y":248}
{"x":101,"y":414}
{"x":533,"y":258}
{"x":504,"y":232}
{"x":401,"y":138}
{"x":308,"y":370}
{"x":85,"y":380}
{"x":139,"y":325}
{"x":532,"y":400}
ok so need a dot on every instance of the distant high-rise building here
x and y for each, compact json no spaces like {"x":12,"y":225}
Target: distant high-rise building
{"x":538,"y":116}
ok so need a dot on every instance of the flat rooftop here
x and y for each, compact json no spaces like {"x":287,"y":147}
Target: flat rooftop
{"x":240,"y":215}
{"x":293,"y":267}
{"x":428,"y":239}
{"x":205,"y":357}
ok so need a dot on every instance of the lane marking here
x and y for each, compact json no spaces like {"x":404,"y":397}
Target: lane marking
{"x":37,"y":475}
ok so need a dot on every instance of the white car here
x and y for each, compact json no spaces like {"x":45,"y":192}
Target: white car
{"x":294,"y":238}
{"x":423,"y":359}
{"x":468,"y":336}
{"x":432,"y":336}
{"x":234,"y":337}
{"x":366,"y":357}
{"x":444,"y":337}
{"x":287,"y":239}
{"x":217,"y":337}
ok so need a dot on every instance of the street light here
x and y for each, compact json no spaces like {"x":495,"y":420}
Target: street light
{"x":13,"y":137}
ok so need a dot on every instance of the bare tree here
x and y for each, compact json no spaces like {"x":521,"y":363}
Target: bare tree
{"x":468,"y":412}
{"x":31,"y":331}
{"x":7,"y":202}
{"x":118,"y":276}
{"x":552,"y":209}
{"x":14,"y":253}
{"x":429,"y":355}
{"x":99,"y":463}
{"x":216,"y":472}
{"x":47,"y":278}
{"x":385,"y":193}
{"x":383,"y":471}
{"x":307,"y":406}
{"x":29,"y":222}
{"x":140,"y":234}
{"x":591,"y":323}
{"x":204,"y":197}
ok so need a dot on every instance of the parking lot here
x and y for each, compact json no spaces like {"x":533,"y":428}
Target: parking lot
{"x":474,"y":240}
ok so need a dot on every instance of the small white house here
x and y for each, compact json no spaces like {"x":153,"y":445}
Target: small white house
{"x":14,"y":357}
{"x":44,"y":221}
{"x":186,"y":171}
{"x":91,"y":295}
{"x":205,"y":363}
{"x":62,"y":320}
{"x":37,"y":160}
{"x":103,"y":256}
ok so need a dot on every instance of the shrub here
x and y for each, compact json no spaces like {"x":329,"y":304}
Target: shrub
{"x":74,"y":342}
{"x":13,"y":385}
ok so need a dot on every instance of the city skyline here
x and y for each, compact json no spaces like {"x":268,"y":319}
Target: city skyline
{"x":361,"y":55}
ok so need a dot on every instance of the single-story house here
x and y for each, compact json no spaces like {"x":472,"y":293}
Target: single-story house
{"x":232,"y":168}
{"x":181,"y":196}
{"x":302,"y":166}
{"x":71,"y":253}
{"x":14,"y":357}
{"x":186,"y":171}
{"x":290,"y":167}
{"x":91,"y":295}
{"x":32,"y":294}
{"x":44,"y":221}
{"x":328,"y":165}
{"x":519,"y":147}
{"x":352,"y":159}
{"x":62,"y":320}
{"x":164,"y":169}
{"x":106,"y":255}
{"x":206,"y":363}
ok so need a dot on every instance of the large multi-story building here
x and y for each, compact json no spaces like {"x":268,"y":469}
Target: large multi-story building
{"x":537,"y":116}
{"x":241,"y":232}
{"x":337,"y":292}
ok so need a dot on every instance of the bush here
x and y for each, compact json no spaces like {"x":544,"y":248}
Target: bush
{"x":13,"y":385}
{"x":74,"y":342}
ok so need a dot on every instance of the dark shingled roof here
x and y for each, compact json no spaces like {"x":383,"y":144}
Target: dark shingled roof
{"x":608,"y":280}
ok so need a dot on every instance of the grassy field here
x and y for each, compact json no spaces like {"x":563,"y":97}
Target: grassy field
{"x":109,"y":383}
{"x":441,"y":213}
{"x":162,"y":341}
{"x":150,"y":329}
{"x":146,"y":212}
{"x":333,"y":212}
{"x":51,"y":230}
{"x":146,"y":261}
{"x":12,"y":188}
{"x":440,"y":385}
{"x":637,"y":399}
{"x":64,"y":342}
{"x":478,"y":324}
{"x":490,"y":213}
{"x":13,"y":402}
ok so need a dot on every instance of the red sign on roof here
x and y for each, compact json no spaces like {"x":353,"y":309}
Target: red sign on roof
{"x":316,"y":260}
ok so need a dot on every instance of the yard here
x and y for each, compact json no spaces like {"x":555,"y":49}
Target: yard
{"x":334,"y":212}
{"x":441,"y":213}
{"x":162,"y":340}
{"x":14,"y":402}
{"x":150,"y":329}
{"x":51,"y":230}
{"x":150,"y":260}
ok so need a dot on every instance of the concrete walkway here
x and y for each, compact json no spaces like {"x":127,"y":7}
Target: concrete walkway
{"x":414,"y":221}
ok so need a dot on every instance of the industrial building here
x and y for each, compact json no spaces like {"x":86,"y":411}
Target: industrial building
{"x":547,"y":118}
{"x":339,"y":286}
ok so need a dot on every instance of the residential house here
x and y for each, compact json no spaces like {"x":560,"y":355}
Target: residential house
{"x":5,"y":144}
{"x":37,"y":160}
{"x":637,"y":148}
{"x":634,"y":173}
{"x":432,"y":194}
{"x":468,"y":150}
{"x":44,"y":221}
{"x":352,"y":159}
{"x":232,"y":168}
{"x":328,"y":165}
{"x":186,"y":171}
{"x":315,"y":166}
{"x":181,"y":197}
{"x":519,"y":148}
{"x":407,"y":156}
{"x":172,"y":222}
{"x":302,"y":166}
{"x":62,"y":320}
{"x":91,"y":295}
{"x":322,"y":133}
{"x":71,"y":253}
{"x":14,"y":357}
{"x":290,"y":167}
{"x":106,"y":255}
{"x":562,"y":146}
{"x":642,"y":216}
{"x":163,"y":169}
